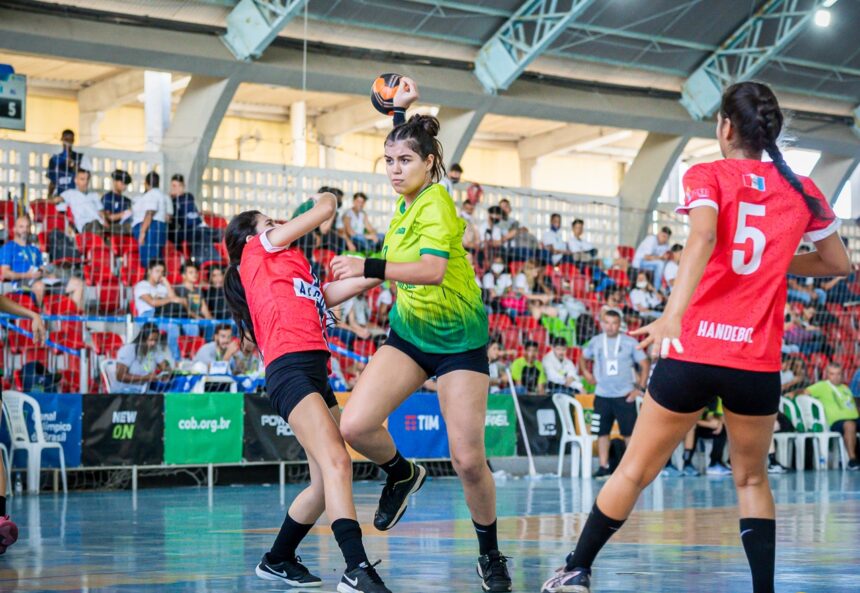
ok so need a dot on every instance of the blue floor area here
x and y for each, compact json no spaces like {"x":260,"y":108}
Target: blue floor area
{"x":682,"y":538}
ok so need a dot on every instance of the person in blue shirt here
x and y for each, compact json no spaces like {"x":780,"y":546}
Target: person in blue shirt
{"x":22,"y":266}
{"x":63,"y":166}
{"x":116,"y":205}
{"x":855,"y":384}
{"x":188,"y":225}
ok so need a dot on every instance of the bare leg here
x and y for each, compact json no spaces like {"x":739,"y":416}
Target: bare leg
{"x":749,"y":440}
{"x":309,"y":505}
{"x":849,"y":434}
{"x":603,"y":450}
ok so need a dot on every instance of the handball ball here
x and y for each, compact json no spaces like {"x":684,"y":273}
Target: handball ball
{"x":382,"y":93}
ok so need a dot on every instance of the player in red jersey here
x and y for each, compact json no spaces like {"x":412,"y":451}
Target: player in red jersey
{"x":278,"y":303}
{"x":721,"y":331}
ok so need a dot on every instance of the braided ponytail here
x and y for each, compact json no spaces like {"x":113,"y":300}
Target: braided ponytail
{"x":235,"y":237}
{"x":754,"y":112}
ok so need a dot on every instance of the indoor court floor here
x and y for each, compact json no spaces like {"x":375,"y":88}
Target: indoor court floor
{"x":683,"y":538}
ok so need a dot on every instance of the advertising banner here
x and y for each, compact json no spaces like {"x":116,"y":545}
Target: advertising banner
{"x":500,"y":432}
{"x":418,"y":428}
{"x":61,"y":423}
{"x":542,"y":425}
{"x":203,"y":428}
{"x":123,"y":429}
{"x":268,"y":437}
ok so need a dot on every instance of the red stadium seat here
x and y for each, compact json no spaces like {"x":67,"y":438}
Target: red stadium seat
{"x":57,"y":304}
{"x":526,"y":322}
{"x":110,"y":297}
{"x":574,"y":353}
{"x":517,"y":267}
{"x":568,"y":271}
{"x":364,"y":348}
{"x":55,"y":222}
{"x":173,"y":259}
{"x":99,"y":267}
{"x":499,"y":321}
{"x":87,"y":242}
{"x":106,"y":343}
{"x":627,"y":252}
{"x":42,"y":209}
{"x":620,"y":277}
{"x":213,"y":220}
{"x":189,"y":345}
{"x":511,"y":338}
{"x":123,"y":245}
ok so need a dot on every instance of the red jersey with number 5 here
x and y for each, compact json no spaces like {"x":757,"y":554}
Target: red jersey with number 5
{"x":735,"y":318}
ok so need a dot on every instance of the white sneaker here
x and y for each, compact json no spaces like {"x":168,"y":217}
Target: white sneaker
{"x":718,"y":469}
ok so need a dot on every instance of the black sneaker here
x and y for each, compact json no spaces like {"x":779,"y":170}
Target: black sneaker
{"x":577,"y":580}
{"x":395,"y":497}
{"x":602,"y":473}
{"x":493,"y":570}
{"x":363,"y":579}
{"x":853,"y":465}
{"x":774,"y":467}
{"x":291,"y":572}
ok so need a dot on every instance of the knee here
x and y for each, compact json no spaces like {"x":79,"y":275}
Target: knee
{"x":470,"y":465}
{"x":337,"y":464}
{"x":352,"y":429}
{"x":749,"y":477}
{"x":639,"y":477}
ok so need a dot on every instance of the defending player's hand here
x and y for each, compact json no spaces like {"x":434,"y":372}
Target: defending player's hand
{"x":661,"y":336}
{"x":407,"y":93}
{"x":38,"y":329}
{"x":347,"y":266}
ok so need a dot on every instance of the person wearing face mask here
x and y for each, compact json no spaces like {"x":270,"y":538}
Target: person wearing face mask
{"x":647,"y":301}
{"x":496,"y":283}
{"x":553,"y":240}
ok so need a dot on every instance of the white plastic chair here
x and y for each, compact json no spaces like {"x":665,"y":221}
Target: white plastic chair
{"x":13,"y":404}
{"x":108,"y":373}
{"x":583,"y":440}
{"x":812,"y":413}
{"x":4,"y":453}
{"x":801,"y":436}
{"x":200,"y":387}
{"x":785,"y":441}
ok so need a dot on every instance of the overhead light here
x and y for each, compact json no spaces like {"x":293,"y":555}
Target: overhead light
{"x":829,"y":3}
{"x":822,"y":18}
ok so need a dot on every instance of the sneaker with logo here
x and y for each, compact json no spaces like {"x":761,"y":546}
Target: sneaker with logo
{"x":395,"y":498}
{"x":718,"y":469}
{"x":602,"y":473}
{"x":690,"y":471}
{"x":853,"y":465}
{"x":363,"y":579}
{"x":292,"y":572}
{"x":8,"y":533}
{"x":493,"y":570}
{"x":577,"y":580}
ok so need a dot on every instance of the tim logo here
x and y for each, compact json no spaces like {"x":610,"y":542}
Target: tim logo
{"x":754,"y":182}
{"x":421,"y":422}
{"x":546,"y":423}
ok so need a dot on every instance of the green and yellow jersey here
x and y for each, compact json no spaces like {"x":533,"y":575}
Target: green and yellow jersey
{"x":441,"y":319}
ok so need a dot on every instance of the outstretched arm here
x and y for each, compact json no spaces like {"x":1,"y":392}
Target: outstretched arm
{"x":9,"y":306}
{"x":340,"y":291}
{"x":829,"y":259}
{"x":285,"y":234}
{"x":429,"y":270}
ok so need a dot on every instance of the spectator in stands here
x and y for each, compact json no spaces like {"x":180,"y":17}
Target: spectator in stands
{"x":491,"y":232}
{"x":154,"y":297}
{"x":578,"y":248}
{"x":151,"y":214}
{"x":498,"y":369}
{"x":357,"y":312}
{"x":787,"y":379}
{"x":615,"y":357}
{"x":645,"y":299}
{"x":800,"y":377}
{"x":855,"y":384}
{"x":688,"y":469}
{"x":651,"y":254}
{"x":191,"y":293}
{"x":187,"y":225}
{"x":472,"y":234}
{"x":803,"y":332}
{"x":247,"y":361}
{"x":711,"y":426}
{"x":467,"y":212}
{"x":533,"y":284}
{"x":85,"y":205}
{"x":517,"y":242}
{"x":840,"y":409}
{"x":616,"y":301}
{"x":116,"y":205}
{"x":222,"y":348}
{"x":331,"y":232}
{"x":527,"y":371}
{"x":455,"y":173}
{"x":561,"y":375}
{"x":22,"y":266}
{"x":803,"y":290}
{"x":670,"y":272}
{"x":63,"y":166}
{"x":357,"y":226}
{"x":553,"y":241}
{"x":496,"y":283}
{"x":144,"y":364}
{"x":214,"y":296}
{"x":384,"y":302}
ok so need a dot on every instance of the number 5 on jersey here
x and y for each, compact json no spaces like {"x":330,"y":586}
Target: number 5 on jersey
{"x":745,"y":233}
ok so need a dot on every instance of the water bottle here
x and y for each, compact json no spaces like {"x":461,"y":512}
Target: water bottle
{"x":19,"y":487}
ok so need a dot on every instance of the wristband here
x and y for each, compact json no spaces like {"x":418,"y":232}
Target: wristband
{"x":399,"y":114}
{"x":374,"y":268}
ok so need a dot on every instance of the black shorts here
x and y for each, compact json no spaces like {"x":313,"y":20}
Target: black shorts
{"x":436,"y":365}
{"x":839,"y":425}
{"x":292,"y":377}
{"x":686,"y":387}
{"x":609,"y":409}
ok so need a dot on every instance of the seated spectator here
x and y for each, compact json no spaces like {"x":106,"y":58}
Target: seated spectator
{"x":23,"y":269}
{"x":527,"y":372}
{"x":467,"y":212}
{"x":496,"y":283}
{"x":804,"y":334}
{"x":455,"y":173}
{"x":553,"y":241}
{"x":86,"y":207}
{"x":154,"y":297}
{"x":144,"y":364}
{"x":616,"y":301}
{"x":645,"y":299}
{"x":803,"y":290}
{"x":191,"y":293}
{"x":345,"y":332}
{"x":222,"y":348}
{"x":63,"y":166}
{"x":787,"y":379}
{"x":838,"y":290}
{"x":840,"y":409}
{"x":357,"y":226}
{"x":344,"y":380}
{"x":498,"y":369}
{"x":491,"y":233}
{"x":384,"y":302}
{"x":532,"y":286}
{"x":651,"y":254}
{"x":578,"y":248}
{"x":712,"y":426}
{"x":670,"y":272}
{"x":561,"y":375}
{"x":116,"y":205}
{"x":688,"y":469}
{"x":214,"y":296}
{"x":247,"y":361}
{"x":151,"y":214}
{"x":187,"y":225}
{"x":472,"y":234}
{"x":357,"y":312}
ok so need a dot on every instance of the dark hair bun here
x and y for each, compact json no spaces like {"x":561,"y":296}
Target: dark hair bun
{"x":428,"y":123}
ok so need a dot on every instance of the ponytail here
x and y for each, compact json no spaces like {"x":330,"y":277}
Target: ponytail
{"x":755,"y":114}
{"x":422,"y":131}
{"x":235,"y":237}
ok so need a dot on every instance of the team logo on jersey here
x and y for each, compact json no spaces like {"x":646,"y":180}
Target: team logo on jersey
{"x":754,"y":181}
{"x":700,"y":193}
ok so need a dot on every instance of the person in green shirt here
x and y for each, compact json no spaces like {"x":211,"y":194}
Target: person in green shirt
{"x":527,"y":371}
{"x":840,"y":409}
{"x":438,"y":328}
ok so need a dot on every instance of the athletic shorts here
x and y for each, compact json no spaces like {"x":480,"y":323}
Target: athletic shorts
{"x":839,"y":425}
{"x":686,"y":387}
{"x":609,"y":409}
{"x":292,"y":377}
{"x":436,"y":365}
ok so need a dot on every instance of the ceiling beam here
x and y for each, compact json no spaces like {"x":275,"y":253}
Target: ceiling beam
{"x":745,"y":52}
{"x":350,"y":117}
{"x":553,"y":142}
{"x":523,"y":38}
{"x":253,"y":24}
{"x":115,"y":91}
